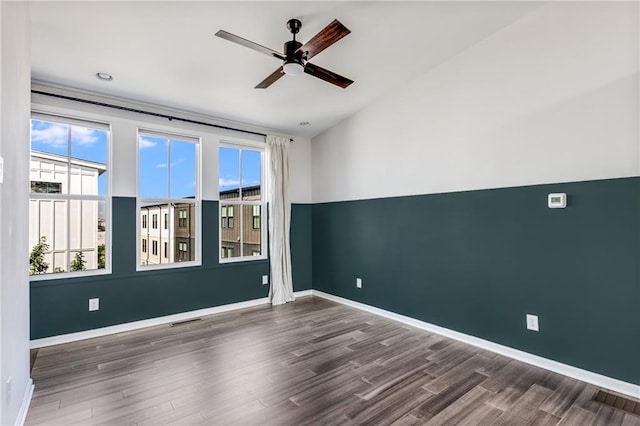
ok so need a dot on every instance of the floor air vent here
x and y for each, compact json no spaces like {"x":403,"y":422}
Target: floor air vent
{"x":177,"y":323}
{"x":615,"y":401}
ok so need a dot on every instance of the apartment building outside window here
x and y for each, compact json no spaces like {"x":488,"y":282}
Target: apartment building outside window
{"x":241,"y":196}
{"x":69,"y":205}
{"x":168,"y":189}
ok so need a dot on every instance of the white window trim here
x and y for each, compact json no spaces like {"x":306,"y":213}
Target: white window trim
{"x":102,"y":124}
{"x":179,"y":135}
{"x":254,"y":146}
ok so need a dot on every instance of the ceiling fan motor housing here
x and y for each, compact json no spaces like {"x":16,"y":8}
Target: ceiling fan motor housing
{"x":291,"y":51}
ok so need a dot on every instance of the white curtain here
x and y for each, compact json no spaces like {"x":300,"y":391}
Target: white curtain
{"x":281,"y":290}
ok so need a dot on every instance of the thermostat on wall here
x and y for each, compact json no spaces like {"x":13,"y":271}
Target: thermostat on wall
{"x":558,"y":200}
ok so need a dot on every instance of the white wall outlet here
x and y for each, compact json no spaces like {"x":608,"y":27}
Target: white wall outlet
{"x":94,"y":304}
{"x":265,"y":279}
{"x":532,"y":322}
{"x":359,"y":282}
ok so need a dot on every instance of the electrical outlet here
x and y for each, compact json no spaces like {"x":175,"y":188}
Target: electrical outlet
{"x":359,"y":282}
{"x":265,"y":279}
{"x":532,"y":322}
{"x":94,"y":304}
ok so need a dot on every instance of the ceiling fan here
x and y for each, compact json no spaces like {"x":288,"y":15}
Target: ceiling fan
{"x":296,"y":55}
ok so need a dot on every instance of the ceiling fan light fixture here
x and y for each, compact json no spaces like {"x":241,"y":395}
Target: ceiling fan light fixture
{"x":293,"y":67}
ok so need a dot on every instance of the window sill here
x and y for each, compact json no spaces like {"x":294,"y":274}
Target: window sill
{"x":174,"y":265}
{"x":69,"y":275}
{"x":222,"y":261}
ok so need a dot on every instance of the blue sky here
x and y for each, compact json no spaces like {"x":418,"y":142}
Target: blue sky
{"x":86,"y":144}
{"x":159,"y":159}
{"x":230,"y":173}
{"x":167,"y":168}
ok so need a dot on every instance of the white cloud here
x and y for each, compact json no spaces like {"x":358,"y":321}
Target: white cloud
{"x":173,"y":164}
{"x":146,"y":143}
{"x":83,"y":135}
{"x":54,"y":134}
{"x":228,"y":182}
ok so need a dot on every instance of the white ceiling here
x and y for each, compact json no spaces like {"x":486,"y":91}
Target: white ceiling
{"x":166,"y":53}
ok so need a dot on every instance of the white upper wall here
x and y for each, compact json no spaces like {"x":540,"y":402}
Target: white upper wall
{"x":300,"y":170}
{"x":550,"y":98}
{"x":14,"y":213}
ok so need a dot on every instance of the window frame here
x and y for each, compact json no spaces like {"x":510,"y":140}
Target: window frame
{"x":179,"y":135}
{"x":250,"y":146}
{"x":89,"y":121}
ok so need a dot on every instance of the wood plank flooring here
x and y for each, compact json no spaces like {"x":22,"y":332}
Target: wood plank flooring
{"x":304,"y":363}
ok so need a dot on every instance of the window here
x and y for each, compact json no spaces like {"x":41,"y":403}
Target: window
{"x":227,"y":216}
{"x":144,"y":245}
{"x":154,"y":247}
{"x":69,"y":205}
{"x":226,"y":252}
{"x":224,"y":219}
{"x":46,"y":187}
{"x":256,"y":217}
{"x":241,"y":198}
{"x":167,"y":189}
{"x":182,"y":251}
{"x":144,"y":221}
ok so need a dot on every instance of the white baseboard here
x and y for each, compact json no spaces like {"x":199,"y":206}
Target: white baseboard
{"x":303,"y":293}
{"x":599,"y":380}
{"x":26,"y":401}
{"x":136,"y":325}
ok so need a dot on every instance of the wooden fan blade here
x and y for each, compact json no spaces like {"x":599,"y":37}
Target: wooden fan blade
{"x":326,"y":75}
{"x":325,"y":38}
{"x":271,"y":79}
{"x":246,"y":43}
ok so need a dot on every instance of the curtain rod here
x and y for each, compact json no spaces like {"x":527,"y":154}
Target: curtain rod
{"x":140,"y":111}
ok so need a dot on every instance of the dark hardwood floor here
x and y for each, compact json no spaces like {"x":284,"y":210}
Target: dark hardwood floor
{"x":308,"y":362}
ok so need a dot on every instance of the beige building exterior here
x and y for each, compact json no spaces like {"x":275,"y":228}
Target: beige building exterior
{"x":167,"y":233}
{"x":251,"y":223}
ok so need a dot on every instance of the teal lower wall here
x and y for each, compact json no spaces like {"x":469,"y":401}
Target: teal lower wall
{"x":61,"y":306}
{"x":477,"y":262}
